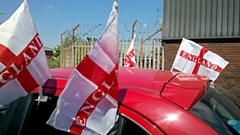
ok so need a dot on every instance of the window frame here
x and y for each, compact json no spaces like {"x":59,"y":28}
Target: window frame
{"x":140,"y":120}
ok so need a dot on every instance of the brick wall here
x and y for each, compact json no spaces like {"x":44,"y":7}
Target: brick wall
{"x":230,"y":76}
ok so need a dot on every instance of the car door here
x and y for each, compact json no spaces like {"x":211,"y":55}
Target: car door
{"x":129,"y":122}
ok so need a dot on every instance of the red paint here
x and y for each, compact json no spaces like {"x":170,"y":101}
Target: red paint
{"x":157,"y":100}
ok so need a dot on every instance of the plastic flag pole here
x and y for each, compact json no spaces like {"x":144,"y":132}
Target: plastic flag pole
{"x":41,"y":98}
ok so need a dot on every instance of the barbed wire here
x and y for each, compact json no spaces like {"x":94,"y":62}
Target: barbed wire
{"x":142,"y":30}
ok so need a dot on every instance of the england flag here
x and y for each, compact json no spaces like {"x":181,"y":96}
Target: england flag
{"x":129,"y":60}
{"x":195,"y":59}
{"x":88,"y":104}
{"x":23,"y":63}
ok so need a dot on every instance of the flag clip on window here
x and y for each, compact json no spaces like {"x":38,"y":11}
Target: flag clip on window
{"x":41,"y":98}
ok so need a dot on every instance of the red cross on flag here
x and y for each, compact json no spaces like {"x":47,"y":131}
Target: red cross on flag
{"x":23,"y":63}
{"x":129,"y":60}
{"x":193,"y":58}
{"x":88,"y":104}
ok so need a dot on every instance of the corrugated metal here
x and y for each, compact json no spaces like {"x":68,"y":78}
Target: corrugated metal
{"x":200,"y":19}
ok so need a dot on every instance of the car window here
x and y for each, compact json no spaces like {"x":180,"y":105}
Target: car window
{"x":130,"y":128}
{"x":12,"y":115}
{"x":26,"y":116}
{"x":3,"y":110}
{"x":124,"y":126}
{"x":30,"y":117}
{"x":38,"y":114}
{"x":220,"y":110}
{"x":35,"y":123}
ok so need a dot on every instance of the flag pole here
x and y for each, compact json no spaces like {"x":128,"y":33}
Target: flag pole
{"x":41,"y":98}
{"x":117,"y":4}
{"x":172,"y":65}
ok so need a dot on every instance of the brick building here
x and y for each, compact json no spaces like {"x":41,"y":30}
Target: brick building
{"x":214,"y":24}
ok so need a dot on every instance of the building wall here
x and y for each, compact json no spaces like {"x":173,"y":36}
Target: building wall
{"x":230,"y":76}
{"x":49,"y":54}
{"x":201,"y":19}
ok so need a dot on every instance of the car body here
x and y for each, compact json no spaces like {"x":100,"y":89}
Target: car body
{"x":150,"y":102}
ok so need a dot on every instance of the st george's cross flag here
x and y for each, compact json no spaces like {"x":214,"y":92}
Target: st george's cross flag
{"x":129,"y":60}
{"x":88,"y":104}
{"x":23,"y":63}
{"x":195,"y":59}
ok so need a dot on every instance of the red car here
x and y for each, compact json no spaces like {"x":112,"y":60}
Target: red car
{"x":150,"y":102}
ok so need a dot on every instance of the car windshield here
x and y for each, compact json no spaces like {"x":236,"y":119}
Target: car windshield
{"x":220,"y":109}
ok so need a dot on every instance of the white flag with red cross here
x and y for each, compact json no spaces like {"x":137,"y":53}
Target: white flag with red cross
{"x":23,"y":63}
{"x":195,"y":59}
{"x":88,"y":104}
{"x":129,"y":60}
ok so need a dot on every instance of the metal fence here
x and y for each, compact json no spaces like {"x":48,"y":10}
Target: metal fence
{"x":148,"y":54}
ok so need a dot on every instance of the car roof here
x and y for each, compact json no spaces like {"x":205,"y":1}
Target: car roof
{"x":154,"y":94}
{"x":181,"y":89}
{"x":172,"y":86}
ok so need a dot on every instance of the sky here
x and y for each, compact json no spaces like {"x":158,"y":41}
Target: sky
{"x":53,"y":17}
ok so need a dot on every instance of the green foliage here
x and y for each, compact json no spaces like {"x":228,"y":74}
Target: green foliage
{"x":91,"y":40}
{"x":68,"y":39}
{"x":55,"y":61}
{"x":57,"y":51}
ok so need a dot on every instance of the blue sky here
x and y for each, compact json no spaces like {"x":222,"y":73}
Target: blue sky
{"x":53,"y":17}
